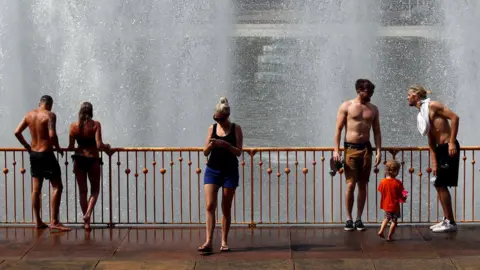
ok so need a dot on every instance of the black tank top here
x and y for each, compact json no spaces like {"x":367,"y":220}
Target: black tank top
{"x":221,"y":158}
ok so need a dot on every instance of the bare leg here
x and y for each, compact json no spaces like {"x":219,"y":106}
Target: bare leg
{"x":81,"y":178}
{"x":381,"y":232}
{"x":393,"y":226}
{"x":55,"y":204}
{"x":349,"y":198}
{"x":36,"y":197}
{"x":227,"y":198}
{"x":94,"y":177}
{"x":361,"y":197}
{"x":211,"y":192}
{"x":446,"y":201}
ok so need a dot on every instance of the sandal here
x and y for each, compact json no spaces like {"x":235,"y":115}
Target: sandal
{"x":205,"y":249}
{"x":224,"y":248}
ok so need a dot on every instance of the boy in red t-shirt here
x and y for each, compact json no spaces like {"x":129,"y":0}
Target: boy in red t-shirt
{"x":391,"y":190}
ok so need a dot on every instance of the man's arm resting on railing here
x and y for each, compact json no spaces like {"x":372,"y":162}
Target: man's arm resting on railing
{"x":18,"y":133}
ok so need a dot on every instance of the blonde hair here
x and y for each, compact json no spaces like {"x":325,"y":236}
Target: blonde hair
{"x":222,"y":106}
{"x":420,"y":91}
{"x":392,"y":167}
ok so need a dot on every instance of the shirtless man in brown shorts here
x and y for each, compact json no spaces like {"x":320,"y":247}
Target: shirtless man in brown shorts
{"x":358,"y":116}
{"x":444,"y":149}
{"x":43,"y":164}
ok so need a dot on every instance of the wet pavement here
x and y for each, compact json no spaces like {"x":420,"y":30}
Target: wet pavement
{"x":416,"y":247}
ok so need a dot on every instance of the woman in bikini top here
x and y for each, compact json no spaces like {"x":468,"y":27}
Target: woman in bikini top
{"x":86,"y":160}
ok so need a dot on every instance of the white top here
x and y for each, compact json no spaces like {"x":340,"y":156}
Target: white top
{"x":423,"y":118}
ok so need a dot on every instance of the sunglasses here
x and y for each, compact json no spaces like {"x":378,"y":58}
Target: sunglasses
{"x":219,"y":119}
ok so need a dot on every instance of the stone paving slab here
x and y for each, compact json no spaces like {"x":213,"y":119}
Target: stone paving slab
{"x":44,"y":264}
{"x":413,"y":264}
{"x":147,"y":265}
{"x":77,"y":244}
{"x":467,"y":263}
{"x":16,"y":242}
{"x":245,"y":264}
{"x":333,"y":264}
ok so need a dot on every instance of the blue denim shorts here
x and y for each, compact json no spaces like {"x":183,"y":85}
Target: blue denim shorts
{"x":226,"y":179}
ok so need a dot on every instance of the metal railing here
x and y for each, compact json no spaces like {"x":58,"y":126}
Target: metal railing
{"x":277,"y":186}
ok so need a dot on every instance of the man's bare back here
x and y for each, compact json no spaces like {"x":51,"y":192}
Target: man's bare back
{"x":38,"y":121}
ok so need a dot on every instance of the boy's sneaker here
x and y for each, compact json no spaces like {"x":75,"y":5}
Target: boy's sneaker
{"x":349,"y":226}
{"x":438,"y":224}
{"x":359,"y":225}
{"x":446,"y":227}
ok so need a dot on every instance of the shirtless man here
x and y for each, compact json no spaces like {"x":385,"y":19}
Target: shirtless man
{"x":358,"y":116}
{"x":43,"y":164}
{"x":444,"y":150}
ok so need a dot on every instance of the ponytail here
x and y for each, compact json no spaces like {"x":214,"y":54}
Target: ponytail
{"x":85,"y":114}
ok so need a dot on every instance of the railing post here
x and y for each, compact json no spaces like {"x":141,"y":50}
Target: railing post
{"x":110,"y":199}
{"x":252,"y":198}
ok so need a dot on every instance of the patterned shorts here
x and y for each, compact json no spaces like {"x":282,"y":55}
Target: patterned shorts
{"x":392,"y":216}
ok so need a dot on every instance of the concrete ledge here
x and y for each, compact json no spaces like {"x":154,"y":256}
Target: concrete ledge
{"x":313,"y":30}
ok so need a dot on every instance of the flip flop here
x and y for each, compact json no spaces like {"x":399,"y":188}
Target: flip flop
{"x":224,"y":249}
{"x":205,"y":249}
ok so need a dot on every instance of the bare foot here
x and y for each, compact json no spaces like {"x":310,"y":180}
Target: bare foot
{"x":390,"y":239}
{"x":87,"y":227}
{"x":381,"y":235}
{"x":41,"y":225}
{"x":59,"y":228}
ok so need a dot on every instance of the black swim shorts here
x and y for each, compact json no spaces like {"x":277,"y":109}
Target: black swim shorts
{"x":447,"y":166}
{"x":44,"y":165}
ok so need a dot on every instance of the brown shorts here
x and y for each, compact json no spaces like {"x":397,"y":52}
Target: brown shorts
{"x":392,"y":216}
{"x":358,"y":162}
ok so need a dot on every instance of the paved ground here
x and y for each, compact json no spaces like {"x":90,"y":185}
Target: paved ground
{"x":260,"y":248}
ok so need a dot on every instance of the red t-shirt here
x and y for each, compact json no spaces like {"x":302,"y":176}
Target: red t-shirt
{"x":391,"y":190}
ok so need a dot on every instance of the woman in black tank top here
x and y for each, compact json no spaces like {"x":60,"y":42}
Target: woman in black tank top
{"x":86,"y":160}
{"x":224,"y":146}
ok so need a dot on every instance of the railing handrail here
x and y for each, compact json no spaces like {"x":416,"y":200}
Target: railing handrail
{"x":250,"y":149}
